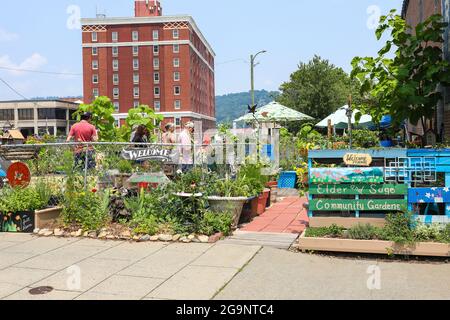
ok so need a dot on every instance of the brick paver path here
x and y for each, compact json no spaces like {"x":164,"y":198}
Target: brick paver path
{"x":287,"y":216}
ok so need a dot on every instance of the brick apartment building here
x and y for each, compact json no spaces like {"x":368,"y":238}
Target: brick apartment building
{"x":161,"y":61}
{"x":415,"y":12}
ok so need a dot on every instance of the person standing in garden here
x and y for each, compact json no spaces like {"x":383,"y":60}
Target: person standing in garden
{"x":84,"y":131}
{"x":185,"y":141}
{"x":169,"y":136}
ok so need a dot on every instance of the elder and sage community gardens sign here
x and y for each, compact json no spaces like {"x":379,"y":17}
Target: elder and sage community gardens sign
{"x":154,"y":153}
{"x":359,"y":189}
{"x":358,"y":205}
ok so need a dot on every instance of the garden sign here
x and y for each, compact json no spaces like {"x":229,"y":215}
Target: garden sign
{"x":357,"y":159}
{"x":155,"y":153}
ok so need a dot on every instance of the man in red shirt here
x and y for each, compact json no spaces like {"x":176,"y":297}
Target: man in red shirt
{"x":84,"y":131}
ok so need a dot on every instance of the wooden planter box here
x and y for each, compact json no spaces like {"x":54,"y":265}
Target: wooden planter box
{"x":47,"y":217}
{"x":427,"y":249}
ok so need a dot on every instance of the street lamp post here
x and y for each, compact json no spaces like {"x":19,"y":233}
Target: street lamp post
{"x":252,"y":72}
{"x":350,"y":116}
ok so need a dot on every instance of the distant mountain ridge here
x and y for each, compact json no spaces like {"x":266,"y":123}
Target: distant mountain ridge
{"x":232,"y":106}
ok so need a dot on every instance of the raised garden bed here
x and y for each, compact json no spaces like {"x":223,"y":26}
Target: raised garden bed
{"x":47,"y":217}
{"x":428,"y":249}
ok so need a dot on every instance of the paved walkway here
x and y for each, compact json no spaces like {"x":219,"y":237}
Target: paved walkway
{"x":287,"y":216}
{"x":93,"y":269}
{"x":279,"y":274}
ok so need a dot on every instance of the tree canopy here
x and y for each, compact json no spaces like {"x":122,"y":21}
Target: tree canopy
{"x":404,"y":77}
{"x":318,"y":88}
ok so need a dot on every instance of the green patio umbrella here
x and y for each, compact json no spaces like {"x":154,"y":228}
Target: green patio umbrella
{"x":274,"y":112}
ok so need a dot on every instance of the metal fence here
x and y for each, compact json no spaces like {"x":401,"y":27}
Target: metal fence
{"x":110,"y":164}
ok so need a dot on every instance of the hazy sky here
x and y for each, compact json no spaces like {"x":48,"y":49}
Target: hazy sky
{"x":40,"y":35}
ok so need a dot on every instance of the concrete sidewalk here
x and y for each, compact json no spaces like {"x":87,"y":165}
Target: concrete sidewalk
{"x":279,"y":274}
{"x":92,"y":269}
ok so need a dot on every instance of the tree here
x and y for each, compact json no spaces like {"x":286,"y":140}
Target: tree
{"x":141,"y":115}
{"x":318,"y":88}
{"x":102,"y":110}
{"x":406,"y":85}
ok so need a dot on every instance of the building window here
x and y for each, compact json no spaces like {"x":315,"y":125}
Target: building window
{"x":135,"y":64}
{"x":136,"y":104}
{"x":176,"y":34}
{"x":115,"y":36}
{"x":95,"y":78}
{"x":94,"y":37}
{"x":115,"y":51}
{"x":178,"y":122}
{"x":136,"y":92}
{"x":176,"y":62}
{"x":157,"y":91}
{"x":116,"y":106}
{"x":155,"y":35}
{"x":135,"y":50}
{"x":176,"y":76}
{"x":156,"y":77}
{"x":177,"y":104}
{"x":176,"y":48}
{"x":94,"y":51}
{"x":157,"y":106}
{"x":177,"y":90}
{"x":155,"y":50}
{"x":156,"y":63}
{"x":136,"y":78}
{"x":6,"y":114}
{"x":94,"y":64}
{"x":115,"y":64}
{"x":116,"y":93}
{"x":135,"y":36}
{"x":95,"y":92}
{"x":26,"y":114}
{"x":115,"y":78}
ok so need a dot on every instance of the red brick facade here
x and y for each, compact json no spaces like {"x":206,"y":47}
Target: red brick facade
{"x":167,"y":40}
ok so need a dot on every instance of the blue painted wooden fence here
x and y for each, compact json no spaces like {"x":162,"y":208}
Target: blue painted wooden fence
{"x":406,"y":166}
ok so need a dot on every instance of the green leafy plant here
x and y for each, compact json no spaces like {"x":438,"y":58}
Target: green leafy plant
{"x":399,"y":227}
{"x":334,"y":231}
{"x":429,"y":233}
{"x":102,"y":110}
{"x":403,"y":80}
{"x":87,"y":209}
{"x":141,"y":115}
{"x":21,"y":199}
{"x":364,"y":232}
{"x":364,"y":139}
{"x":213,"y":222}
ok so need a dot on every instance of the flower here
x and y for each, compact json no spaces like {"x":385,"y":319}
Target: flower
{"x":94,"y":190}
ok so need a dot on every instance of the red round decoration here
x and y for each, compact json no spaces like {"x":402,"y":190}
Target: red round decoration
{"x":18,"y":175}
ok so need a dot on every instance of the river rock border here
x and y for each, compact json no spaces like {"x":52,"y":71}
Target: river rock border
{"x":127,"y":236}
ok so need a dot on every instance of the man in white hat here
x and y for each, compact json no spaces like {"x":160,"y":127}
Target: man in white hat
{"x":185,"y":141}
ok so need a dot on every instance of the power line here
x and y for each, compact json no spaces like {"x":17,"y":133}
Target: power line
{"x":43,"y":72}
{"x":12,"y":89}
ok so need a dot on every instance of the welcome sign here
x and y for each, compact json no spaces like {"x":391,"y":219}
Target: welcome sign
{"x":357,"y":159}
{"x":154,"y":153}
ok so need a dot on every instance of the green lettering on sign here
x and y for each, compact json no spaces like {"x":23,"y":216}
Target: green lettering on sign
{"x":357,"y":205}
{"x":359,"y":189}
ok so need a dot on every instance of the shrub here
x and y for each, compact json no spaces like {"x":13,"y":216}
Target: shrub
{"x":216,"y":222}
{"x":445,"y":234}
{"x":364,"y":232}
{"x":21,"y":199}
{"x":399,"y":228}
{"x":88,"y":209}
{"x":425,"y":233}
{"x":327,"y":232}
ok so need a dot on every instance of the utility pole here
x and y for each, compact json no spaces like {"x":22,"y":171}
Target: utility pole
{"x":252,"y":75}
{"x":350,"y":116}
